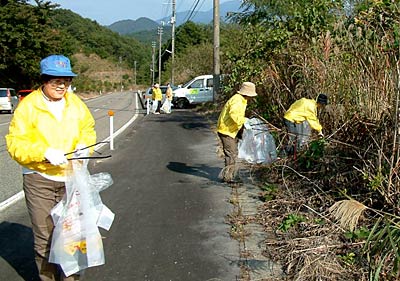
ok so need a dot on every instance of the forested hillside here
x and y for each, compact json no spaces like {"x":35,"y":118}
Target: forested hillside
{"x":125,"y":27}
{"x":30,"y":33}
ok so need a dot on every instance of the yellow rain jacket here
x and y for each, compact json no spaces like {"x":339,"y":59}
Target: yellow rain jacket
{"x":168,"y":94}
{"x":304,"y":109}
{"x":232,"y":117}
{"x":34,"y":129}
{"x":156,"y":94}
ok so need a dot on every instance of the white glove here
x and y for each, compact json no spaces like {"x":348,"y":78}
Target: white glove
{"x":321,"y":134}
{"x":247,"y":123}
{"x":56,"y":157}
{"x":81,"y":151}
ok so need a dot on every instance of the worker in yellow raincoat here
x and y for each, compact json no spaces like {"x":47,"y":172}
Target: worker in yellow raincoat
{"x":300,"y":118}
{"x":47,"y":126}
{"x":230,"y":121}
{"x":157,"y":97}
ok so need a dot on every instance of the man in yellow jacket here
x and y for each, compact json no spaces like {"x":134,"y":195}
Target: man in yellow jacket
{"x":157,"y":97}
{"x":48,"y":124}
{"x":230,"y":121}
{"x":300,"y":118}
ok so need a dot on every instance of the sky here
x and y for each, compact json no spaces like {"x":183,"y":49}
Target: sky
{"x":106,"y":12}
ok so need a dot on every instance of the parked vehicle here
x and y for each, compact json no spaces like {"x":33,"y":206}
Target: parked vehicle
{"x":23,"y":93}
{"x":8,"y":99}
{"x":197,"y":90}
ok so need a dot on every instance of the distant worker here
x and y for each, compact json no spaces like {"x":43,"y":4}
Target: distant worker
{"x":48,"y":124}
{"x":157,"y":97}
{"x":300,"y":118}
{"x":230,"y":121}
{"x":166,"y":107}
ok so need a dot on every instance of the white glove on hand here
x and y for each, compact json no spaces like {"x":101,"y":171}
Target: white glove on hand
{"x":321,"y":134}
{"x":247,"y":123}
{"x":56,"y":157}
{"x":81,"y":151}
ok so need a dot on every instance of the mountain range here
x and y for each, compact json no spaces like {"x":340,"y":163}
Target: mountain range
{"x":126,"y":27}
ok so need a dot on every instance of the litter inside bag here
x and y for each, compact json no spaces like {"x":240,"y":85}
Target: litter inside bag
{"x":257,"y":144}
{"x":76,"y":242}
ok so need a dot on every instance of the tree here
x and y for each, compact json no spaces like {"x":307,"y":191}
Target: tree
{"x":26,"y":38}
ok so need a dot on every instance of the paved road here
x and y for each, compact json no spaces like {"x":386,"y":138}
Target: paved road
{"x":170,"y":209}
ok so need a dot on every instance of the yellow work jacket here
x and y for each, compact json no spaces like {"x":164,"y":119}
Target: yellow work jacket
{"x":169,"y":94}
{"x":232,"y":116}
{"x":156,"y":94}
{"x":34,"y":129}
{"x":304,"y":109}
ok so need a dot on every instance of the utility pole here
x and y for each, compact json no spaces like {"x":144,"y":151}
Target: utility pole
{"x":173,"y":22}
{"x":160,"y":32}
{"x":216,"y":74}
{"x":153,"y":45}
{"x":135,"y":73}
{"x":120,"y":70}
{"x":151,"y":75}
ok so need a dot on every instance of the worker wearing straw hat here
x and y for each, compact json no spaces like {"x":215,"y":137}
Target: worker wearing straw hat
{"x":230,"y":121}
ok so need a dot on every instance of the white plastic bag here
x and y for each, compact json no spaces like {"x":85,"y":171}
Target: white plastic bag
{"x":166,"y":107}
{"x":76,"y":242}
{"x":257,"y":144}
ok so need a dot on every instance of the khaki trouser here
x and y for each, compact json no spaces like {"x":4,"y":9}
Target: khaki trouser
{"x":41,"y":195}
{"x":230,"y":148}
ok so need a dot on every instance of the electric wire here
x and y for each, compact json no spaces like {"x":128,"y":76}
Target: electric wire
{"x":191,"y":13}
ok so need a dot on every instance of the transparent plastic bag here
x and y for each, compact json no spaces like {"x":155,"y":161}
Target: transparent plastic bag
{"x":257,"y":144}
{"x":76,"y":242}
{"x":166,"y":107}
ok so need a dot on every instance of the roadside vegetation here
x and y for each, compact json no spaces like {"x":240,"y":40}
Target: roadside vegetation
{"x":334,"y":208}
{"x":333,"y":211}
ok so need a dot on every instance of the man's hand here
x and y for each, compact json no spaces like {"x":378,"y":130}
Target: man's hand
{"x":56,"y":157}
{"x":320,"y":134}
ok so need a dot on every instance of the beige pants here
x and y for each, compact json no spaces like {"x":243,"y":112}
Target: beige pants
{"x":41,"y":195}
{"x":230,"y":148}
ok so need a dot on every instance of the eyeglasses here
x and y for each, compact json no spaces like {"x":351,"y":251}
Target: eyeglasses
{"x":58,"y":82}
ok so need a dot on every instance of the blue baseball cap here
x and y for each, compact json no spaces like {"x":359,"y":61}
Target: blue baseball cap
{"x":56,"y":65}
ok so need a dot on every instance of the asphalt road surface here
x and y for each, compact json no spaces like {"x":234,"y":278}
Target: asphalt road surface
{"x":170,"y":208}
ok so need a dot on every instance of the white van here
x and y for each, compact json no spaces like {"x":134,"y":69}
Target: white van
{"x":8,"y":99}
{"x":197,"y":90}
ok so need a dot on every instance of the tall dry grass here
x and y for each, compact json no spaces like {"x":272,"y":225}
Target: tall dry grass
{"x":358,"y":67}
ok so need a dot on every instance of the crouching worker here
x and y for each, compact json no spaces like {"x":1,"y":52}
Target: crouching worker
{"x":49,"y":123}
{"x":230,"y":121}
{"x":300,"y":118}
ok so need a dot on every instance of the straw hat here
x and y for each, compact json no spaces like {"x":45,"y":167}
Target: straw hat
{"x":248,"y":89}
